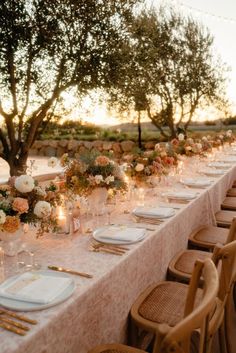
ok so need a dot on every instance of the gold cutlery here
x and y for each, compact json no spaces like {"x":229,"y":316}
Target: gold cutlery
{"x":113,"y":246}
{"x":103,"y":246}
{"x":148,"y":220}
{"x":67,"y":270}
{"x":18,"y":316}
{"x":12,"y":329}
{"x":108,"y":251}
{"x":14,"y":323}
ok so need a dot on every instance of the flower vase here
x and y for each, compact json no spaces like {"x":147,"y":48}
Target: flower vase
{"x":11,"y":242}
{"x":97,"y":200}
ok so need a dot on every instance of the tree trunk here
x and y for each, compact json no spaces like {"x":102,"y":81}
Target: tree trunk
{"x":139,"y":130}
{"x":18,"y":165}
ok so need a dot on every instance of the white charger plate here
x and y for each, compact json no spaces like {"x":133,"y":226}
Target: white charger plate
{"x":153,"y":216}
{"x":213,"y":172}
{"x":19,"y":305}
{"x":98,"y":232}
{"x":196,"y":183}
{"x":176,"y":195}
{"x":219,"y":165}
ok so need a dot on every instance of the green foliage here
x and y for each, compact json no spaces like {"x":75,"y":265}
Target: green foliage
{"x":46,"y":48}
{"x":167,"y":68}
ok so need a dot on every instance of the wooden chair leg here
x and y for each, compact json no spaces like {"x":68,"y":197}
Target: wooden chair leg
{"x":222,"y":339}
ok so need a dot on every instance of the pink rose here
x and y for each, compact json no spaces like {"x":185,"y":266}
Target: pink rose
{"x":20,"y":205}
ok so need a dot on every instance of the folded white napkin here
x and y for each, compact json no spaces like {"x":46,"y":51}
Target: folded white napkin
{"x":219,"y":165}
{"x":182,"y":195}
{"x":231,"y":159}
{"x":213,"y":171}
{"x":124,"y":234}
{"x":35,"y":288}
{"x":196,"y":182}
{"x":154,"y":212}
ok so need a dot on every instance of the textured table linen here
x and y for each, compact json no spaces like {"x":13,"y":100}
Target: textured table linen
{"x":98,"y":310}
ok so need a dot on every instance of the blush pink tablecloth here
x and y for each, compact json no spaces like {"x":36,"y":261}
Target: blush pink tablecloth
{"x":98,"y":310}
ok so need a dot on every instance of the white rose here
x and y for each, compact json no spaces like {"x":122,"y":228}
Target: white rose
{"x":40,"y":191}
{"x":98,"y":179}
{"x":24,"y":183}
{"x":209,"y":137}
{"x":52,"y":162}
{"x":2,"y":217}
{"x":139,"y":167}
{"x":42,"y":209}
{"x":157,"y":147}
{"x":204,"y":138}
{"x":199,"y":146}
{"x":109,"y":179}
{"x":181,"y":137}
{"x":221,"y":137}
{"x":188,"y":148}
{"x":190,"y":140}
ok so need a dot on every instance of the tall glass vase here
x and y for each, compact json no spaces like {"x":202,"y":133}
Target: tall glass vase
{"x":11,"y":242}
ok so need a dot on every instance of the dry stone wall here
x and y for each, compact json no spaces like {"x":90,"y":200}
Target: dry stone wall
{"x":58,"y":148}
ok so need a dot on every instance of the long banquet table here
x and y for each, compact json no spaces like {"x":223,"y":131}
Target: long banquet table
{"x":97,"y":312}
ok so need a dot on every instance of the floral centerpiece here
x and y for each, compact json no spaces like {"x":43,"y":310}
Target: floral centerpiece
{"x":144,"y":166}
{"x":24,"y":202}
{"x":91,"y":171}
{"x":188,"y":146}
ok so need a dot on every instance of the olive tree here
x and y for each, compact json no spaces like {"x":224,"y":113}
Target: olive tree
{"x":169,"y":58}
{"x":47,"y":47}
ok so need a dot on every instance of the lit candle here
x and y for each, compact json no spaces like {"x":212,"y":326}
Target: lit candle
{"x":62,"y":220}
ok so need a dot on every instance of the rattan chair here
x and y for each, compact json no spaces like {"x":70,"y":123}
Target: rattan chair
{"x":229,"y":203}
{"x":206,"y":237}
{"x":224,"y":218}
{"x":180,"y":268}
{"x":166,"y":310}
{"x":177,"y":339}
{"x":231,"y":192}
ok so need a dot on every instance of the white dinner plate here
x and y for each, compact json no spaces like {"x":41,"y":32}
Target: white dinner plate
{"x":154,"y":212}
{"x":98,"y":235}
{"x":229,"y":159}
{"x":181,"y":195}
{"x":19,"y":305}
{"x":196,"y":183}
{"x":219,"y":165}
{"x":213,"y":172}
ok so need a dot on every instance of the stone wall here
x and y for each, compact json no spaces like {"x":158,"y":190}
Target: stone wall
{"x":58,"y":148}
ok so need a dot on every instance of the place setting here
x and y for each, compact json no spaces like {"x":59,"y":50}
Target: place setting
{"x":200,"y":183}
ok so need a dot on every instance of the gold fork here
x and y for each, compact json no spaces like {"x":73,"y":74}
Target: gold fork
{"x":105,"y":250}
{"x":18,"y":316}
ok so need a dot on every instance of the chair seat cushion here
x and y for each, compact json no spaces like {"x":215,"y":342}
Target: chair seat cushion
{"x":229,"y":203}
{"x":224,"y":217}
{"x":231,"y":192}
{"x":165,"y":303}
{"x":182,"y":264}
{"x":209,"y":235}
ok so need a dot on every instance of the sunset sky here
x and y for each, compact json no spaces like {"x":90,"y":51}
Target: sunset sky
{"x":220,"y":17}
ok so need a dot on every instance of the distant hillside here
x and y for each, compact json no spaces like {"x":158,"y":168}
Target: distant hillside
{"x":128,"y":127}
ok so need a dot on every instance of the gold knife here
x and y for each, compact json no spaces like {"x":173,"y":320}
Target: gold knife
{"x":12,"y":329}
{"x":14,"y":323}
{"x":18,"y":316}
{"x":67,"y":270}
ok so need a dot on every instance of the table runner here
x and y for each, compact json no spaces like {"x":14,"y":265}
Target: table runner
{"x":98,"y":310}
